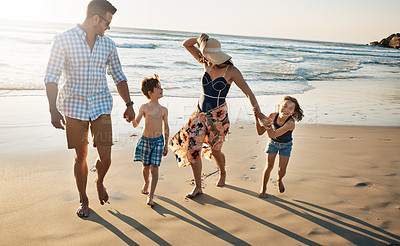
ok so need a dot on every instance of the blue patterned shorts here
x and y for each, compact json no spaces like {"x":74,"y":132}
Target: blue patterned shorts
{"x":283,"y":149}
{"x":149,"y":151}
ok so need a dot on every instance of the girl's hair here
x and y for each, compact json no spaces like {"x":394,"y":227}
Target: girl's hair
{"x":148,"y":84}
{"x":298,"y":112}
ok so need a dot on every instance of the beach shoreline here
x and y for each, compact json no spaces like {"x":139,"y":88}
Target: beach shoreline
{"x":341,"y":181}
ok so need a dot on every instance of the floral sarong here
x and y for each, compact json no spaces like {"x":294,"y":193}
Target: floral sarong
{"x":203,"y":132}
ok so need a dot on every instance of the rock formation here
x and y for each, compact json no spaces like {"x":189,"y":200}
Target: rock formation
{"x":393,"y":41}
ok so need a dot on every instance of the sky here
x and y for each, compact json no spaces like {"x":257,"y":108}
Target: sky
{"x":348,"y":21}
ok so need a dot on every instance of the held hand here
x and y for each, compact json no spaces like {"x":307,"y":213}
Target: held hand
{"x":165,"y":150}
{"x":129,"y":114}
{"x":266,"y":122}
{"x":57,"y":120}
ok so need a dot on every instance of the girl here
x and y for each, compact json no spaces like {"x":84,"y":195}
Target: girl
{"x":279,"y":126}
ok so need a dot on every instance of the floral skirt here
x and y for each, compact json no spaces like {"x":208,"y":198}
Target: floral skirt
{"x":203,"y":132}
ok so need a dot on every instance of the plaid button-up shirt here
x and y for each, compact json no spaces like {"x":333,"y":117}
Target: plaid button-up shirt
{"x":83,"y":93}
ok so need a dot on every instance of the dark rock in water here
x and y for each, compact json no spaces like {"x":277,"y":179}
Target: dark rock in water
{"x":393,"y":41}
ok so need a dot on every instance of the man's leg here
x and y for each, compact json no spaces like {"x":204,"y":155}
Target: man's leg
{"x":81,"y":173}
{"x":102,"y":165}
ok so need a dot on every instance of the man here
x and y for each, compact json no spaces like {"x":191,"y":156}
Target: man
{"x":84,"y":55}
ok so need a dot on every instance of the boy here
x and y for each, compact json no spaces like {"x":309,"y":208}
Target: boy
{"x":150,"y":147}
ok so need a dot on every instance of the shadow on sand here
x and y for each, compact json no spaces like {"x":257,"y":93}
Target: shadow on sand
{"x":217,"y":231}
{"x":139,"y":227}
{"x":320,"y":216}
{"x":94,"y":217}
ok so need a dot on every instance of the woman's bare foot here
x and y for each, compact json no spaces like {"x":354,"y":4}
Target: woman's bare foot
{"x":102,"y":193}
{"x":83,"y":210}
{"x":221,"y":181}
{"x":194,"y":193}
{"x":145,"y":189}
{"x":281,"y":186}
{"x":262,"y":195}
{"x":150,"y":201}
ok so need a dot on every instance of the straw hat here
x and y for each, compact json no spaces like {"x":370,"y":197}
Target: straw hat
{"x":211,"y":50}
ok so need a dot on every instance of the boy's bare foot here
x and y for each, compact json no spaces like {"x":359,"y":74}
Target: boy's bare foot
{"x":145,"y":189}
{"x":221,"y":181}
{"x":281,"y":186}
{"x":194,"y":193}
{"x":83,"y":210}
{"x":150,"y":201}
{"x":262,"y":195}
{"x":102,"y":193}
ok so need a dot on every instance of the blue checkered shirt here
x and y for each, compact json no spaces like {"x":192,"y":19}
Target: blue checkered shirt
{"x":83,"y":93}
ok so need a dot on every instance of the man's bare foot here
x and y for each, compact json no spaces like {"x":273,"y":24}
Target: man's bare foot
{"x":194,"y":193}
{"x":150,"y":201}
{"x":83,"y":210}
{"x":102,"y":193}
{"x":281,"y":186}
{"x":262,"y":195}
{"x":144,"y":189}
{"x":221,"y":181}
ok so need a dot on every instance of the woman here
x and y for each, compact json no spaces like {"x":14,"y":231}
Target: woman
{"x":209,"y":123}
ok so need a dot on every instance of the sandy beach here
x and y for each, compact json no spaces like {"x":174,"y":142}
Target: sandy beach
{"x":341,"y":186}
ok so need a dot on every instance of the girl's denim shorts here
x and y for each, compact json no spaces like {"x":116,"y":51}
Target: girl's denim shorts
{"x":284,"y":149}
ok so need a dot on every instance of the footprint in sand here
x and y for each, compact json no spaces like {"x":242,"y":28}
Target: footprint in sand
{"x":326,"y":137}
{"x":364,"y":184}
{"x":253,"y":157}
{"x":385,"y":139}
{"x":391,"y":174}
{"x":253,"y":167}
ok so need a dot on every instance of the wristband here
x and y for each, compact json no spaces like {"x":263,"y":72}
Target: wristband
{"x":129,"y":104}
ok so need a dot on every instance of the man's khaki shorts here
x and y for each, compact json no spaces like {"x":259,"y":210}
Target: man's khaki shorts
{"x":77,"y":132}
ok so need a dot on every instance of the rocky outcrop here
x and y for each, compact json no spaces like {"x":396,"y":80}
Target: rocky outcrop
{"x":393,"y":41}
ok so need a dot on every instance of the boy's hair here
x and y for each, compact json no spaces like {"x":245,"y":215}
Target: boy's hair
{"x":99,"y":7}
{"x":298,"y":112}
{"x":148,"y":84}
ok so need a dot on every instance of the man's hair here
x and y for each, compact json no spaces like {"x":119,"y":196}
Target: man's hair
{"x":148,"y":84}
{"x":99,"y":7}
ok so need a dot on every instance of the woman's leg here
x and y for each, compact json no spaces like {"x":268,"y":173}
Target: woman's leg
{"x":220,"y":160}
{"x":196,"y":169}
{"x":283,"y":162}
{"x":266,"y":174}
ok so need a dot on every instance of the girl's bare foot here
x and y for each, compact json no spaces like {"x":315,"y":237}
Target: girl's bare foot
{"x":262,"y":195}
{"x":281,"y":186}
{"x":221,"y":181}
{"x":145,"y":189}
{"x":194,"y":193}
{"x":150,"y":201}
{"x":102,"y":193}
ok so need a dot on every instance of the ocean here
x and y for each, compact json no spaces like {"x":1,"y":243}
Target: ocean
{"x":270,"y":66}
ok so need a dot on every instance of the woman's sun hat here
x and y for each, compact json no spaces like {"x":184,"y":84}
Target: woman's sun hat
{"x":211,"y":50}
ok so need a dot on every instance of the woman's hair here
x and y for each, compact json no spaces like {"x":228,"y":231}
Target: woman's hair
{"x":99,"y":7}
{"x":204,"y":60}
{"x":298,"y":112}
{"x":148,"y":84}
